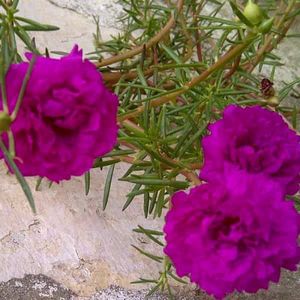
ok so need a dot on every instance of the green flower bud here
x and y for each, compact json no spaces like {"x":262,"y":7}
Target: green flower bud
{"x":273,"y":101}
{"x":266,"y":26}
{"x":253,"y":13}
{"x":5,"y":121}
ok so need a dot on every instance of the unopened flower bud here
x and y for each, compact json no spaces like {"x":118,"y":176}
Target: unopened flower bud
{"x":266,"y":26}
{"x":253,"y":13}
{"x":273,"y":101}
{"x":5,"y":121}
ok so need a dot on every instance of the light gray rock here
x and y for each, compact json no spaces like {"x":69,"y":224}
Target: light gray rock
{"x":108,"y":11}
{"x":74,"y":28}
{"x":34,"y":287}
{"x":71,"y":239}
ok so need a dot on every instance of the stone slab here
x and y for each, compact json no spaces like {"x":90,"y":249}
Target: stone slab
{"x":108,"y":11}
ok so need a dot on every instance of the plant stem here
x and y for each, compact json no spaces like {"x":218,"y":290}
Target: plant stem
{"x":186,"y":171}
{"x":270,"y":44}
{"x":4,"y":5}
{"x":23,"y":88}
{"x":233,"y":68}
{"x":11,"y":143}
{"x":231,"y":54}
{"x":197,"y":32}
{"x":191,"y":176}
{"x":149,"y":44}
{"x":4,"y":94}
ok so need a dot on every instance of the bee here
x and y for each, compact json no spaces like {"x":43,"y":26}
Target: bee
{"x":268,"y":92}
{"x":266,"y":88}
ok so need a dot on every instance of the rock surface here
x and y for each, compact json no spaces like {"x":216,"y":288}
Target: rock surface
{"x":108,"y":11}
{"x":71,"y":239}
{"x":74,"y":28}
{"x":34,"y":287}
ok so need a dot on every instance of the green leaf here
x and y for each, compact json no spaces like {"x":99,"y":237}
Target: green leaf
{"x":177,"y":278}
{"x":108,"y":185}
{"x":157,"y":182}
{"x":162,"y":122}
{"x":87,"y":182}
{"x":33,"y":28}
{"x":140,"y":86}
{"x":154,"y":289}
{"x":156,"y":155}
{"x":23,"y":87}
{"x":139,"y":192}
{"x":131,"y":196}
{"x":15,"y":4}
{"x":38,"y":183}
{"x":99,"y":163}
{"x":171,"y":54}
{"x":239,"y":14}
{"x":149,"y":235}
{"x":36,"y":26}
{"x":143,"y":281}
{"x":153,"y":202}
{"x":193,"y":139}
{"x":149,"y":255}
{"x":286,"y":90}
{"x":118,"y":153}
{"x":24,"y":36}
{"x":4,"y":5}
{"x":160,"y":203}
{"x":19,"y":176}
{"x":146,"y":203}
{"x":293,"y":35}
{"x":150,"y":231}
{"x":293,"y":14}
{"x":294,"y":117}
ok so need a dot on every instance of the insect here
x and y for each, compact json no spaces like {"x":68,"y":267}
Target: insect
{"x":266,"y":87}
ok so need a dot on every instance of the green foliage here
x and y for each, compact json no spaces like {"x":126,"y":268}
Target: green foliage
{"x":170,"y":91}
{"x":166,"y":138}
{"x":13,"y":27}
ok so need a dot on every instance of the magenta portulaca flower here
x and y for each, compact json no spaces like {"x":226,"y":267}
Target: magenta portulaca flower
{"x":233,"y":236}
{"x":67,"y":117}
{"x":256,"y":140}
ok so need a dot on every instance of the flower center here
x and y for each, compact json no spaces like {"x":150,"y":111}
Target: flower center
{"x":223,"y":227}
